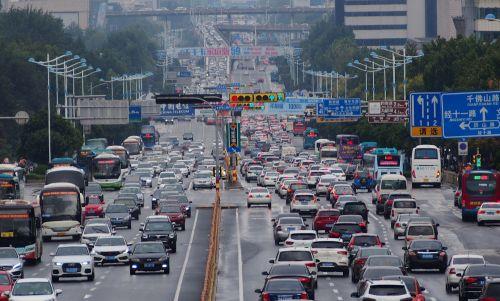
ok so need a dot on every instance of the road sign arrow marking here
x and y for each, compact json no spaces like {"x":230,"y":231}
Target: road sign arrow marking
{"x":464,"y":125}
{"x":483,"y":111}
{"x":434,"y":101}
{"x":420,"y":101}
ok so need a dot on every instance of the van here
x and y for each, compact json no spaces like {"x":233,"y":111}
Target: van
{"x":403,"y":206}
{"x":388,"y":183}
{"x":419,"y":230}
{"x":288,"y":151}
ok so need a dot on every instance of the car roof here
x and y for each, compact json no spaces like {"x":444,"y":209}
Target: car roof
{"x":467,"y":256}
{"x":71,"y":245}
{"x":27,"y":280}
{"x":288,"y":249}
{"x":303,"y":231}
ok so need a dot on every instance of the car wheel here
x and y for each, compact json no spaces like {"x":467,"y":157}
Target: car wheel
{"x":132,"y":272}
{"x":91,"y":277}
{"x":46,"y":238}
{"x":174,"y":249}
{"x":129,"y":226}
{"x":480,"y":223}
{"x":392,"y":224}
{"x":55,"y":279}
{"x":183,"y":227}
{"x":248,"y":205}
{"x":269,"y":205}
{"x":353,"y":279}
{"x":448,"y":288}
{"x":194,"y":187}
{"x":396,"y":237}
{"x":345,"y":273}
{"x":442,"y":269}
{"x":76,"y":237}
{"x":167,"y":270}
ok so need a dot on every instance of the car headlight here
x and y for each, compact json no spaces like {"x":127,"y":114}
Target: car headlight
{"x":58,"y":263}
{"x":171,"y":235}
{"x":17,"y":266}
{"x":163,"y":258}
{"x":144,"y":236}
{"x":85,"y":262}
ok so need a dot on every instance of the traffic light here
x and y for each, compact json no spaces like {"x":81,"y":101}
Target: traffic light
{"x":243,"y":98}
{"x":265,"y":97}
{"x":281,"y":96}
{"x":478,"y":160}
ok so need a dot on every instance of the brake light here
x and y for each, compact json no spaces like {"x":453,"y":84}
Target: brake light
{"x":362,"y":224}
{"x":481,"y":212}
{"x":334,"y":234}
{"x":278,"y":228}
{"x":488,"y":299}
{"x":360,"y":261}
{"x":452,"y":271}
{"x":413,"y":174}
{"x":457,"y":193}
{"x":442,"y":254}
{"x":342,"y":252}
{"x":266,"y":297}
{"x":314,"y":200}
{"x":250,"y":196}
{"x":289,"y":190}
{"x":397,"y":225}
{"x":304,"y":280}
{"x":310,"y":264}
{"x":288,"y":243}
{"x":268,"y":196}
{"x":470,"y":280}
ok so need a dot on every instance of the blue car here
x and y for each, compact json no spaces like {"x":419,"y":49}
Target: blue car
{"x":363,"y":180}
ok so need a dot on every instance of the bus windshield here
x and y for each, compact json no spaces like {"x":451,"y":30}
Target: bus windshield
{"x":107,"y":169}
{"x":328,"y":154}
{"x":7,"y":190}
{"x":133,"y":148}
{"x":481,"y":184}
{"x":426,"y":153}
{"x":59,"y":204}
{"x":16,"y":228}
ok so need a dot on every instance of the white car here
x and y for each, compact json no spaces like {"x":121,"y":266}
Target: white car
{"x":323,"y":183}
{"x":383,"y":290}
{"x":182,"y":166}
{"x":72,"y":260}
{"x":259,"y":196}
{"x":203,"y":179}
{"x":28,"y":289}
{"x":300,"y":238}
{"x":111,"y":249}
{"x":457,"y":265}
{"x":270,"y":178}
{"x":165,"y":176}
{"x":403,"y":206}
{"x":338,"y":173}
{"x":93,"y":231}
{"x":488,"y":212}
{"x":331,"y":255}
{"x":304,"y":202}
{"x":296,"y":255}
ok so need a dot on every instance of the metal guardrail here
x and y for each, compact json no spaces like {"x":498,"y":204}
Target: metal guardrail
{"x":210,"y":283}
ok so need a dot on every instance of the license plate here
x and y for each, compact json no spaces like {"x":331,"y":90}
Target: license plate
{"x":290,"y":229}
{"x":149,"y":265}
{"x":481,"y":282}
{"x":427,"y":256}
{"x":426,"y":180}
{"x":304,"y":203}
{"x":61,"y":234}
{"x":490,"y":213}
{"x":110,"y":257}
{"x":328,"y":264}
{"x":345,"y":236}
{"x":285,"y":297}
{"x":71,"y":270}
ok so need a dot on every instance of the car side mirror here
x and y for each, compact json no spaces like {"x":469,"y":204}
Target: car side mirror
{"x":313,"y":273}
{"x":459,"y":274}
{"x":355,"y":295}
{"x":404,"y":248}
{"x":317,"y":260}
{"x":445,"y":248}
{"x":52,"y":254}
{"x":271,"y":261}
{"x":258,"y":291}
{"x":437,"y":225}
{"x":273,"y":220}
{"x":129,"y":244}
{"x":382,"y":243}
{"x":422,"y":289}
{"x":58,"y":291}
{"x":265,"y":273}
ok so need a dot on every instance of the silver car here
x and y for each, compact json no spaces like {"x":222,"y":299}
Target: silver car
{"x":285,"y":225}
{"x":72,"y":260}
{"x":11,"y":261}
{"x":401,"y":223}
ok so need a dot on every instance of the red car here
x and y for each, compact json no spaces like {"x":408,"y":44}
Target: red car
{"x":325,"y":219}
{"x":363,"y":240}
{"x":175,"y":214}
{"x":6,"y":284}
{"x":336,"y":190}
{"x":94,"y":207}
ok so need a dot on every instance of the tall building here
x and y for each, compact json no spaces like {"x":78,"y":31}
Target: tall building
{"x":484,"y":28}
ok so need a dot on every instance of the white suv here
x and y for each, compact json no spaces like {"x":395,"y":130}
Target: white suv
{"x":331,"y":255}
{"x":300,"y":238}
{"x":383,"y":290}
{"x":304,"y":202}
{"x":72,"y":260}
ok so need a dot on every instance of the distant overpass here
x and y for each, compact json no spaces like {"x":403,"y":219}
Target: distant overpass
{"x":263,"y":28}
{"x":220,"y":11}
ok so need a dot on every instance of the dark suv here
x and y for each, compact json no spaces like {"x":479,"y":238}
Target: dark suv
{"x":160,"y":229}
{"x":355,"y":208}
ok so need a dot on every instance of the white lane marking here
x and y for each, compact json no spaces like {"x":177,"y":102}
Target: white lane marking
{"x":34,"y":274}
{"x":186,"y":259}
{"x":92,"y":289}
{"x":340,"y":298}
{"x":335,"y":291}
{"x":240,"y":260}
{"x":102,"y":277}
{"x":98,"y":283}
{"x":87,"y":296}
{"x":331,"y":284}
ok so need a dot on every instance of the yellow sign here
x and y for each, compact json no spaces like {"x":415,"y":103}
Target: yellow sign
{"x":7,"y":234}
{"x":427,"y":131}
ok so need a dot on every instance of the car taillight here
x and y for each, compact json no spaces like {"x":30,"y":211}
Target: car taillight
{"x":304,"y":280}
{"x":397,"y":225}
{"x":442,"y":254}
{"x":452,"y":271}
{"x":266,"y":297}
{"x":413,"y":174}
{"x":470,"y":280}
{"x":267,"y":178}
{"x":334,"y":234}
{"x":314,"y":200}
{"x":497,"y":212}
{"x":362,"y":225}
{"x":438,"y":174}
{"x":360,"y":261}
{"x":481,"y":212}
{"x":268,"y":196}
{"x":342,"y":252}
{"x":310,"y":264}
{"x":411,"y":253}
{"x":288,"y":243}
{"x":457,"y":193}
{"x":278,"y":228}
{"x":488,"y":299}
{"x":289,"y":190}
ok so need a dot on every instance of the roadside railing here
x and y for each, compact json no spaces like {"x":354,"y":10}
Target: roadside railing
{"x":210,"y":283}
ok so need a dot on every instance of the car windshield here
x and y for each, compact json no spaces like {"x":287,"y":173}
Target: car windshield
{"x":352,"y":228}
{"x":298,"y":186}
{"x":130,"y":190}
{"x":384,"y":261}
{"x":490,"y":206}
{"x":468,"y":260}
{"x":295,"y":256}
{"x":32,"y":289}
{"x":158,"y":226}
{"x":170,"y":209}
{"x":343,"y":189}
{"x":328,"y":213}
{"x":112,"y":208}
{"x":366,"y":252}
{"x":327,"y":245}
{"x":149,"y":248}
{"x":303,"y":236}
{"x":379,"y":272}
{"x":365,"y":240}
{"x":259,"y":190}
{"x":96,"y":229}
{"x":483,"y":270}
{"x":8,"y":253}
{"x":284,"y":286}
{"x":399,"y":196}
{"x":4,"y":279}
{"x":351,"y":207}
{"x":144,"y":174}
{"x":203,"y":175}
{"x":128,"y":203}
{"x":72,"y":251}
{"x":393,"y":184}
{"x":405,"y":204}
{"x":291,"y":221}
{"x":289,"y":270}
{"x":426,"y":245}
{"x":420,"y":230}
{"x":94,"y":201}
{"x":304,"y":197}
{"x":350,"y":219}
{"x":387,"y":290}
{"x":347,"y":198}
{"x":110,"y":241}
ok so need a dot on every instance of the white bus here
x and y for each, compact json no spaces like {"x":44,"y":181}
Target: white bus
{"x":426,"y":165}
{"x":318,"y":144}
{"x":328,"y":153}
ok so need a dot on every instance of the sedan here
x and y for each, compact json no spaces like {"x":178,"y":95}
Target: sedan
{"x":133,"y":207}
{"x":175,"y":213}
{"x":94,"y":207}
{"x":112,"y":249}
{"x":304,"y":202}
{"x":11,"y":262}
{"x":25,"y":289}
{"x":293,"y":271}
{"x":473,"y":279}
{"x":285,"y":225}
{"x":282,"y":289}
{"x":92,"y":232}
{"x":330,"y":255}
{"x":427,"y":254}
{"x":72,"y":260}
{"x":325,"y":219}
{"x":119,"y":215}
{"x":360,"y":258}
{"x":300,"y":238}
{"x":412,"y":284}
{"x":488,"y":213}
{"x":149,"y":256}
{"x":259,"y":196}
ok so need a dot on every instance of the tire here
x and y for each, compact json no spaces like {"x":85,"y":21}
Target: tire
{"x":183,"y":227}
{"x":46,"y":238}
{"x":395,"y":236}
{"x":480,"y":223}
{"x":345,"y":273}
{"x":194,"y":187}
{"x":91,"y":277}
{"x":167,"y":270}
{"x":129,"y":226}
{"x":248,"y":205}
{"x":174,"y":249}
{"x":387,"y":216}
{"x":55,"y":279}
{"x":132,"y":272}
{"x":269,"y":206}
{"x":462,"y":298}
{"x":76,"y":237}
{"x":448,"y":289}
{"x":392,"y":224}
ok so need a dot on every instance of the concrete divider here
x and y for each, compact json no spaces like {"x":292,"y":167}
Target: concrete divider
{"x":210,"y":282}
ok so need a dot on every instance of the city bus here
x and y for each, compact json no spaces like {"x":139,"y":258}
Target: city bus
{"x":426,"y":165}
{"x":121,"y":152}
{"x":107,"y":171}
{"x":321,"y":143}
{"x":365,"y":147}
{"x":148,"y":135}
{"x":9,"y":187}
{"x":310,"y":137}
{"x":385,"y":161}
{"x":84,"y":162}
{"x":96,"y":143}
{"x":348,"y":148}
{"x":20,"y":227}
{"x":478,"y":186}
{"x":61,"y":206}
{"x":133,"y":146}
{"x":64,"y":174}
{"x":328,"y":153}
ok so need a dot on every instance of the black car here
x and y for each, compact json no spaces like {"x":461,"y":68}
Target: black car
{"x":149,"y":256}
{"x":188,"y":136}
{"x":474,"y":278}
{"x":360,"y":258}
{"x":93,"y":189}
{"x":491,"y":291}
{"x":345,"y":231}
{"x":133,"y":207}
{"x":160,"y":229}
{"x":295,"y":271}
{"x":385,"y":261}
{"x":282,"y":289}
{"x":119,"y":215}
{"x":426,"y":254}
{"x":355,"y":208}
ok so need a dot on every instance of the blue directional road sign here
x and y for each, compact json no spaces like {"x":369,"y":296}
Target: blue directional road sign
{"x":471,"y":114}
{"x":339,"y":108}
{"x":227,"y":107}
{"x":178,"y":109}
{"x":425,"y":113}
{"x":233,"y":137}
{"x":134,"y":113}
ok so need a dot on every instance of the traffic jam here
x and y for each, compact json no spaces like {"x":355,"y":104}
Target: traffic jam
{"x":343,"y":208}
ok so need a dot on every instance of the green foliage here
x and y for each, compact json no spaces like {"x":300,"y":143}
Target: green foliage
{"x":34,"y":137}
